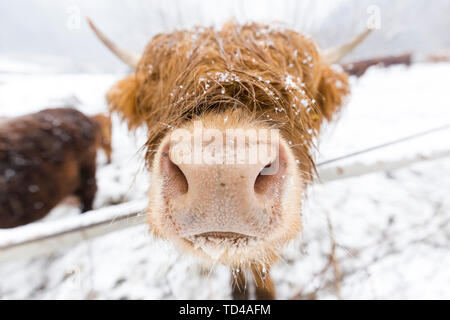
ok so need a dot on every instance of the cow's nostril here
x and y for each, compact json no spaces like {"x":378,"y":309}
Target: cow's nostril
{"x":176,"y":180}
{"x":262,"y":182}
{"x":270,"y":179}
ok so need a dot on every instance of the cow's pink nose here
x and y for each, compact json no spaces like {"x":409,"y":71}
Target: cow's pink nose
{"x":236,"y":199}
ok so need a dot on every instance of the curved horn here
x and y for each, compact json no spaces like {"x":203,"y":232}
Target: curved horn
{"x":334,"y":55}
{"x":130,"y":58}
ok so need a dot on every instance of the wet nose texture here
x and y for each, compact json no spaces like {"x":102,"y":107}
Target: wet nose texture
{"x":214,"y":199}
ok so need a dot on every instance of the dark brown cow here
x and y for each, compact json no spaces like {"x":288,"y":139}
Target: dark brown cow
{"x":45,"y":157}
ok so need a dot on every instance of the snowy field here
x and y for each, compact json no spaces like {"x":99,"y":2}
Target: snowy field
{"x":379,"y":236}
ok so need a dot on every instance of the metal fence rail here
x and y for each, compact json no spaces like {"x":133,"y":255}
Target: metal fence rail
{"x":40,"y":238}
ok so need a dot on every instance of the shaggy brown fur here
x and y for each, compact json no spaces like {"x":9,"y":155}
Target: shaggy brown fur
{"x":45,"y":157}
{"x":276,"y":76}
{"x":253,"y":74}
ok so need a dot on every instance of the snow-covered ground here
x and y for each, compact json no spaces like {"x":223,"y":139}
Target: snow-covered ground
{"x":391,"y":230}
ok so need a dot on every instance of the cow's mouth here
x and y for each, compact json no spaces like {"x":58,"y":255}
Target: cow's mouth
{"x":222,"y":238}
{"x":224,"y":235}
{"x":219,"y":244}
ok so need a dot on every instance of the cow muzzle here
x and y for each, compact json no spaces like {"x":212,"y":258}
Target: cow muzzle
{"x":230,"y":193}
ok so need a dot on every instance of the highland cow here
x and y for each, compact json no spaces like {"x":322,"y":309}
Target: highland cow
{"x":239,"y":77}
{"x":45,"y":157}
